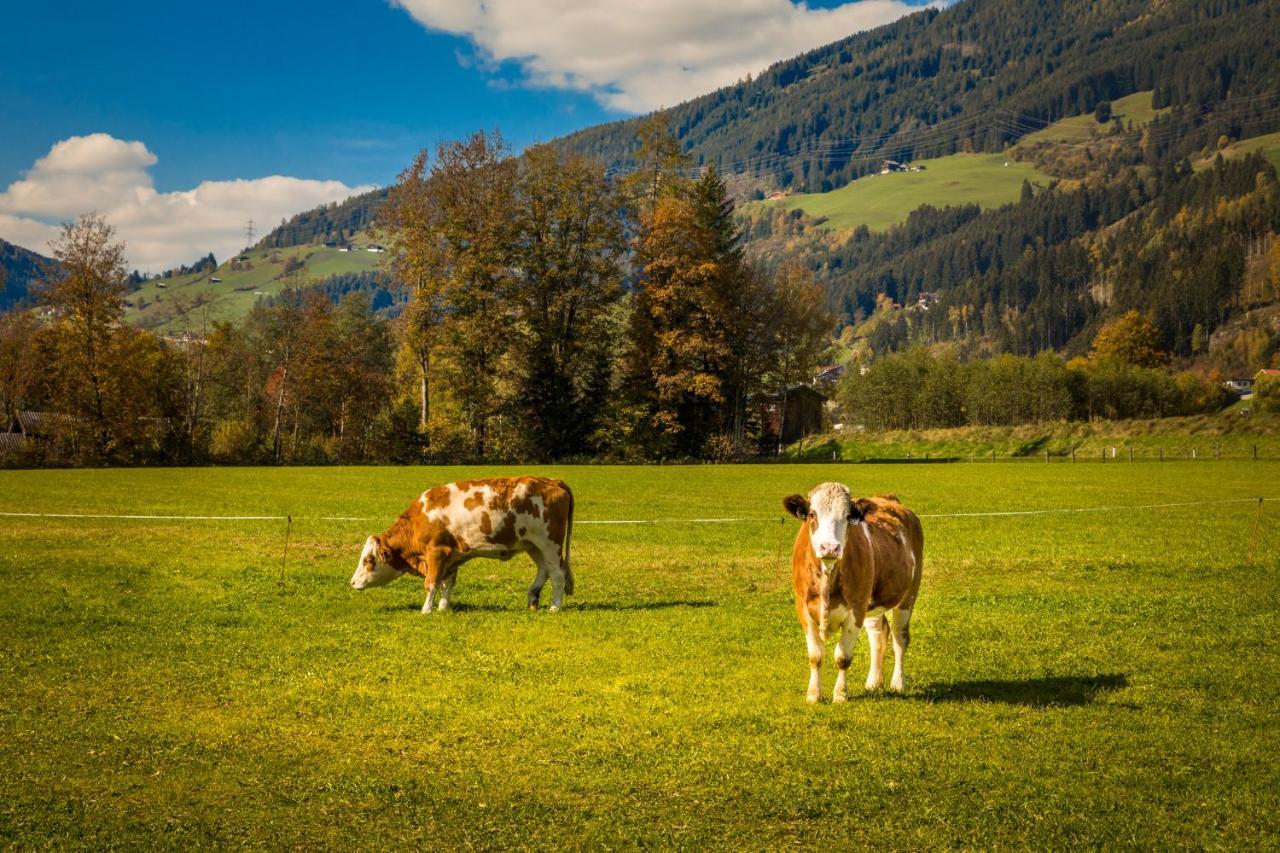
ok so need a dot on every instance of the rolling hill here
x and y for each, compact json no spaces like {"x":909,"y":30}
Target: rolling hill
{"x":189,"y":302}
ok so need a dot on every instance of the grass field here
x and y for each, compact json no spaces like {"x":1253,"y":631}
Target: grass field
{"x":1228,"y":434}
{"x":1268,"y":144}
{"x":159,"y":303}
{"x":879,"y":201}
{"x":1135,"y":109}
{"x":1105,"y":679}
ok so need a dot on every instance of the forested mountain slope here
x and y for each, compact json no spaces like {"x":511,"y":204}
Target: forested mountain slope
{"x":975,"y":76}
{"x":19,"y":269}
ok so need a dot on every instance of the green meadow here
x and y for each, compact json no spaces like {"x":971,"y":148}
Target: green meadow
{"x":1103,"y":679}
{"x":879,"y":201}
{"x":181,"y":303}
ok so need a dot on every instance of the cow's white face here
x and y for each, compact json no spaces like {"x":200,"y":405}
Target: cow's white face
{"x":828,"y":512}
{"x":372,"y":570}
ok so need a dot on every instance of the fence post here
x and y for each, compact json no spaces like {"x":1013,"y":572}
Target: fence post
{"x":1255,"y":453}
{"x":1073,"y":454}
{"x":1131,"y":453}
{"x":1046,"y":456}
{"x":993,"y":456}
{"x":1103,"y":455}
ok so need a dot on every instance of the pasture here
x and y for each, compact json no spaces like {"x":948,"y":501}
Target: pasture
{"x":1101,"y":678}
{"x":880,"y":201}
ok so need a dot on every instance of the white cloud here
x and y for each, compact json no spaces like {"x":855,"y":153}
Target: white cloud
{"x":639,"y":55}
{"x":102,"y":174}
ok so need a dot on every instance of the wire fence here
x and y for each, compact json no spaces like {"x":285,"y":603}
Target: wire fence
{"x":651,"y":521}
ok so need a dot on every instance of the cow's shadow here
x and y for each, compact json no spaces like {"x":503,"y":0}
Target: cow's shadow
{"x":1047,"y":692}
{"x":590,"y":606}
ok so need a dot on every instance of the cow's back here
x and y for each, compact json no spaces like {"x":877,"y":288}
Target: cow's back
{"x":890,"y":547}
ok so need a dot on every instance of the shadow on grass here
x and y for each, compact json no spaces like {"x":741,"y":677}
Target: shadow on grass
{"x":1052,"y":691}
{"x":608,"y":606}
{"x":602,"y":606}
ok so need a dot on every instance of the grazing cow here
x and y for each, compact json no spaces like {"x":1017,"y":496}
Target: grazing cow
{"x":854,"y":562}
{"x":451,"y":524}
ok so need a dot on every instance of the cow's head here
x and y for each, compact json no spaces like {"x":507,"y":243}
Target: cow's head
{"x":828,"y":512}
{"x":375,"y":567}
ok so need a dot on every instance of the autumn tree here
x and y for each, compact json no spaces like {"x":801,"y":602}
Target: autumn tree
{"x":800,"y":330}
{"x":660,"y":164}
{"x":1130,"y":339}
{"x":568,"y":252}
{"x":103,"y":367}
{"x":412,"y":221}
{"x":463,"y":243}
{"x":19,"y":361}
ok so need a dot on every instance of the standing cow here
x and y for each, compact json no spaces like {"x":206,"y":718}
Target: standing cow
{"x":451,"y":524}
{"x":854,"y":562}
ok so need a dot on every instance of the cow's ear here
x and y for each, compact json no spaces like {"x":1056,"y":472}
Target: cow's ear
{"x":384,"y":552}
{"x":863,"y":507}
{"x":797,"y":506}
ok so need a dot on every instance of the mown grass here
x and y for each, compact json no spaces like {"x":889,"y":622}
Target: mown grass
{"x":1100,"y":679}
{"x":879,"y":201}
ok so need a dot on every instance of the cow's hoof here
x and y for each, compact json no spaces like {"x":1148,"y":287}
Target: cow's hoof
{"x":533,"y":607}
{"x":898,"y":686}
{"x":553,"y":609}
{"x":839,"y":697}
{"x":813,"y":698}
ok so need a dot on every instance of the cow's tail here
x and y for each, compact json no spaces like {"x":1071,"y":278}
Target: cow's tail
{"x":568,"y":534}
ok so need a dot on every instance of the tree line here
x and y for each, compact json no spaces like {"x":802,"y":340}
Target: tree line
{"x":1125,"y":375}
{"x":545,"y":312}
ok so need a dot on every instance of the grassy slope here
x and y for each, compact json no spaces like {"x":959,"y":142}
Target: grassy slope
{"x":1097,"y":679}
{"x":1229,"y":434}
{"x":1135,"y":109}
{"x":1268,"y":144}
{"x":239,"y":290}
{"x":879,"y":201}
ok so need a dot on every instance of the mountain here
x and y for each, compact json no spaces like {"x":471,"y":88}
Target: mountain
{"x":976,"y":76}
{"x":21,"y":268}
{"x":1056,"y":163}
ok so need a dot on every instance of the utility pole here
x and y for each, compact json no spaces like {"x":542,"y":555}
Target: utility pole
{"x":248,"y":234}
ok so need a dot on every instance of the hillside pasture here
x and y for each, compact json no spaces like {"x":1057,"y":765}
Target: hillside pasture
{"x":160,"y":304}
{"x":1101,"y":679}
{"x":880,"y":201}
{"x":1135,"y":110}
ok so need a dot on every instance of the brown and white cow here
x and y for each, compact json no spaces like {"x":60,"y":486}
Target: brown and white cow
{"x":854,"y":562}
{"x":496,"y":518}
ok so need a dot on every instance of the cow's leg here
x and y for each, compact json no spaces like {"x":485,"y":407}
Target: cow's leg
{"x":539,"y":580}
{"x":900,"y":623}
{"x":430,"y":579}
{"x":446,"y":586}
{"x":876,"y":629}
{"x":551,"y":559}
{"x":814,"y":641}
{"x":844,"y":654}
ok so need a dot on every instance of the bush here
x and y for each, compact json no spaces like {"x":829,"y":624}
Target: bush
{"x":235,"y":441}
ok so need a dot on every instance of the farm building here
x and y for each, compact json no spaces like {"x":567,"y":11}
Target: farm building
{"x":799,"y":414}
{"x":1243,"y":387}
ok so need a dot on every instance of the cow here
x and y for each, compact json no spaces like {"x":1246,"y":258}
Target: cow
{"x":497,"y":518}
{"x":854,"y":563}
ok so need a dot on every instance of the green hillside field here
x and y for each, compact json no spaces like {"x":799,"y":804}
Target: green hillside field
{"x":879,"y":201}
{"x":161,"y":304}
{"x":1268,"y":144}
{"x":1134,"y":109}
{"x":1098,"y":679}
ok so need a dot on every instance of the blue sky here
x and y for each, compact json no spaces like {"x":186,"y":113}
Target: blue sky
{"x":148,"y":108}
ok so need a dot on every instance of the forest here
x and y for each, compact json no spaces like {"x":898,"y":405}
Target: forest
{"x":545,"y":312}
